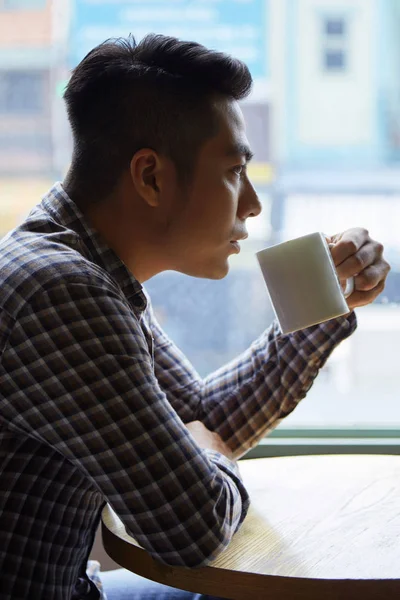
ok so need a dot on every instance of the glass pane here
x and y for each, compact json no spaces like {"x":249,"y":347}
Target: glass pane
{"x":326,"y":158}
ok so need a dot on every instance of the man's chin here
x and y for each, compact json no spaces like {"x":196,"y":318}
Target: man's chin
{"x":210,"y":271}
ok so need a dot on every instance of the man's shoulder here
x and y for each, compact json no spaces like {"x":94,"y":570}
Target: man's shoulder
{"x":40,"y":254}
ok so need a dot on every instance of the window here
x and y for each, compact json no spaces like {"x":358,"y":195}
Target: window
{"x":21,"y":92}
{"x":334,"y":44}
{"x":322,"y":134}
{"x":334,"y":60}
{"x":335,"y":27}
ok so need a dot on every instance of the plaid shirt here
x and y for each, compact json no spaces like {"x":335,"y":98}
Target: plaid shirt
{"x":93,"y":401}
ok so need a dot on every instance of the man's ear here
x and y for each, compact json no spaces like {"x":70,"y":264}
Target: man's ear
{"x":146,"y":172}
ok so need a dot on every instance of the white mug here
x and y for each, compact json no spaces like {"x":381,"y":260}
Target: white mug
{"x":303,"y":283}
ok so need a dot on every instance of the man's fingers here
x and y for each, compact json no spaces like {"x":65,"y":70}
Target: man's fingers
{"x":356,"y":255}
{"x":348,"y":243}
{"x":356,"y":263}
{"x":358,"y":298}
{"x":371,"y":276}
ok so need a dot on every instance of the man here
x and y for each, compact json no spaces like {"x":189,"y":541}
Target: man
{"x":97,"y":404}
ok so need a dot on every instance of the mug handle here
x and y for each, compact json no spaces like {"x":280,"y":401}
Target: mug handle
{"x":349,"y":287}
{"x":349,"y":282}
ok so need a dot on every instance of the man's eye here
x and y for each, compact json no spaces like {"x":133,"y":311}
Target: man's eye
{"x":239,"y":169}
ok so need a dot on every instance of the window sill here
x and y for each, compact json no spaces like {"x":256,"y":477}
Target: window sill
{"x":292,"y":446}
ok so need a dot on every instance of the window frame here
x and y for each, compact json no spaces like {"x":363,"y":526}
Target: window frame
{"x":287,"y":441}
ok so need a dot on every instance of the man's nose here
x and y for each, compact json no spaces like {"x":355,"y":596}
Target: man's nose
{"x":250,"y":205}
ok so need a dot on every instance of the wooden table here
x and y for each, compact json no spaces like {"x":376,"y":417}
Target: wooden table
{"x":319,"y":527}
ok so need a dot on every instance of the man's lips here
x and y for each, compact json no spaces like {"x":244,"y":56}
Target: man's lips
{"x":235,"y":242}
{"x":235,"y":245}
{"x":239,"y":237}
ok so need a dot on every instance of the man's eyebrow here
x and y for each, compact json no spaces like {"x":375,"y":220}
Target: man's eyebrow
{"x":242,"y":149}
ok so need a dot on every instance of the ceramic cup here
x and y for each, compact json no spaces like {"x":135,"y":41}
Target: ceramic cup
{"x":302,"y":282}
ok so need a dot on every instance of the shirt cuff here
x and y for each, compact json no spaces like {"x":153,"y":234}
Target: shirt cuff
{"x":318,"y":341}
{"x":230,"y":468}
{"x":225,"y":464}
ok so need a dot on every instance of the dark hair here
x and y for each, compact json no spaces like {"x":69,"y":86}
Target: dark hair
{"x":125,"y":96}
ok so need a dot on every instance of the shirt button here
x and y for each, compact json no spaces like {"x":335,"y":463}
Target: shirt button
{"x":82,"y":589}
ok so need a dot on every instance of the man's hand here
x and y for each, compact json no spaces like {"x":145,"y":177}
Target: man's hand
{"x":356,"y":255}
{"x":209,"y":440}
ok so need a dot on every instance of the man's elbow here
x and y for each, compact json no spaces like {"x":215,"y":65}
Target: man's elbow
{"x":201,"y":551}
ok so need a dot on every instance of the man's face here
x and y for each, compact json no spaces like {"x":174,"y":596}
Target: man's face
{"x":210,"y":218}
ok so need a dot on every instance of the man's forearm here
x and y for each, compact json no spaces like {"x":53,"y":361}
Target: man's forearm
{"x":249,"y":397}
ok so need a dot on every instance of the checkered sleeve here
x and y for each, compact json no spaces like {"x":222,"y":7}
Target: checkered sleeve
{"x":250,"y":396}
{"x":81,"y":380}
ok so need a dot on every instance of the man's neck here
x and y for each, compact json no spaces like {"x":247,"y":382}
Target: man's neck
{"x":123,"y":228}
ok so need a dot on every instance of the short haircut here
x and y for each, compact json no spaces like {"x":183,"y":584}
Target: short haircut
{"x":124,"y":96}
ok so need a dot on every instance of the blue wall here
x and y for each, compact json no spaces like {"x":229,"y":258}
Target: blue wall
{"x":234,"y":26}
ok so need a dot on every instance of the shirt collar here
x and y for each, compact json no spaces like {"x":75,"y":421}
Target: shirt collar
{"x":65,"y":212}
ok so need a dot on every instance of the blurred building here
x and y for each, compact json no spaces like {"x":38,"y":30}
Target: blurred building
{"x":337,"y":81}
{"x":336,"y":116}
{"x":25,"y":78}
{"x":32,"y":55}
